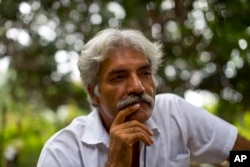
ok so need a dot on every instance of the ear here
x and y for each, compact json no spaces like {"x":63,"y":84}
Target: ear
{"x":94,"y":98}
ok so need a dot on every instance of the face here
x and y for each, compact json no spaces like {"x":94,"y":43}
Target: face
{"x":123,"y":74}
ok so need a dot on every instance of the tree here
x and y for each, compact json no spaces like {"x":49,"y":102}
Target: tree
{"x":205,"y":45}
{"x":205,"y":42}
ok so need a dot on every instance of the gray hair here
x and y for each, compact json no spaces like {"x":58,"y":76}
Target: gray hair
{"x":97,"y":48}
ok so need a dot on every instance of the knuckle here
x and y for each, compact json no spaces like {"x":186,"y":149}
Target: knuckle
{"x":134,"y":122}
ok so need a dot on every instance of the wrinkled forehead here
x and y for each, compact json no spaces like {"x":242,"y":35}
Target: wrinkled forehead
{"x":124,"y":59}
{"x":123,"y":54}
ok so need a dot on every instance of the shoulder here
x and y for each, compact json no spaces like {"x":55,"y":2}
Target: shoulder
{"x":168,"y":106}
{"x":71,"y":134}
{"x":76,"y":132}
{"x":62,"y":148}
{"x":168,"y":101}
{"x":168,"y":97}
{"x":176,"y":107}
{"x":73,"y":131}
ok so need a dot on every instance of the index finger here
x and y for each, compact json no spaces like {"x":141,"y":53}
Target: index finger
{"x":121,"y":116}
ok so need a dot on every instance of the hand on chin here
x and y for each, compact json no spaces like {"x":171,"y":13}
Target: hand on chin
{"x":141,"y":115}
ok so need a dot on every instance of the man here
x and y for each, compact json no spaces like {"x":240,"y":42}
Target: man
{"x":130,"y":126}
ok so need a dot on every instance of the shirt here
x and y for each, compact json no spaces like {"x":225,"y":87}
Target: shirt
{"x":182,"y":133}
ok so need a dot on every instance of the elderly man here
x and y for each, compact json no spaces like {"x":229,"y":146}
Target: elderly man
{"x":129,"y":125}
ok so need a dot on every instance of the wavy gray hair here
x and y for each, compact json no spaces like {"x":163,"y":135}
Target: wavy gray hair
{"x":97,"y":48}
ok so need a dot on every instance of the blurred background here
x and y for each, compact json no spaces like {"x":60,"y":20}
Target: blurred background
{"x":207,"y":61}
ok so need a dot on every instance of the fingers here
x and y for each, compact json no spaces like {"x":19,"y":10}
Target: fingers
{"x":121,"y":116}
{"x":123,"y":136}
{"x":131,"y":126}
{"x":131,"y":132}
{"x":136,"y":134}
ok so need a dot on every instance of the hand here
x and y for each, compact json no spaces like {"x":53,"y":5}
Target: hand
{"x":123,"y":135}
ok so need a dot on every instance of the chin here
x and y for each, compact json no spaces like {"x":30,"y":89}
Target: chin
{"x":141,"y":116}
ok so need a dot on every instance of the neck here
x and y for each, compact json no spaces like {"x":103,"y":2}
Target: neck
{"x":105,"y":121}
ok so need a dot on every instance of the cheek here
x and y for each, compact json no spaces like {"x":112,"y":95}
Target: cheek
{"x":151,"y":89}
{"x":112,"y":94}
{"x":108,"y":100}
{"x":107,"y":108}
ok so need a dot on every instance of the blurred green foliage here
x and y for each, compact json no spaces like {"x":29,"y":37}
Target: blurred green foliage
{"x":206,"y":45}
{"x":25,"y":128}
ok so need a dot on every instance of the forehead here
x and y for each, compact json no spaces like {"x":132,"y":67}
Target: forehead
{"x":123,"y":59}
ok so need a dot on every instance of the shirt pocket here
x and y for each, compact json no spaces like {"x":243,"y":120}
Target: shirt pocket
{"x":180,"y":160}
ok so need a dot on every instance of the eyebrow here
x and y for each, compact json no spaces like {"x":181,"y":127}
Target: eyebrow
{"x":119,"y":71}
{"x":147,"y":66}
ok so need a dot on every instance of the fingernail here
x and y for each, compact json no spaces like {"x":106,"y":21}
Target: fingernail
{"x":151,"y":132}
{"x":151,"y":142}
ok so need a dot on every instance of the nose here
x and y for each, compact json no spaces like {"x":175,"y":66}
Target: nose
{"x":135,"y":85}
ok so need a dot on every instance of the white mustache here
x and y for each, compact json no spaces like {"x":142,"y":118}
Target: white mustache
{"x":134,"y":98}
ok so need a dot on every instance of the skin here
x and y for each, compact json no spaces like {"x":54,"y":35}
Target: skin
{"x":125,"y":72}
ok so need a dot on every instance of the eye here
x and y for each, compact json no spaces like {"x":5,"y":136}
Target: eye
{"x":118,"y":77}
{"x":146,"y":73}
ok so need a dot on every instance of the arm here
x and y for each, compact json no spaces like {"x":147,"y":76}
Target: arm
{"x":241,"y":143}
